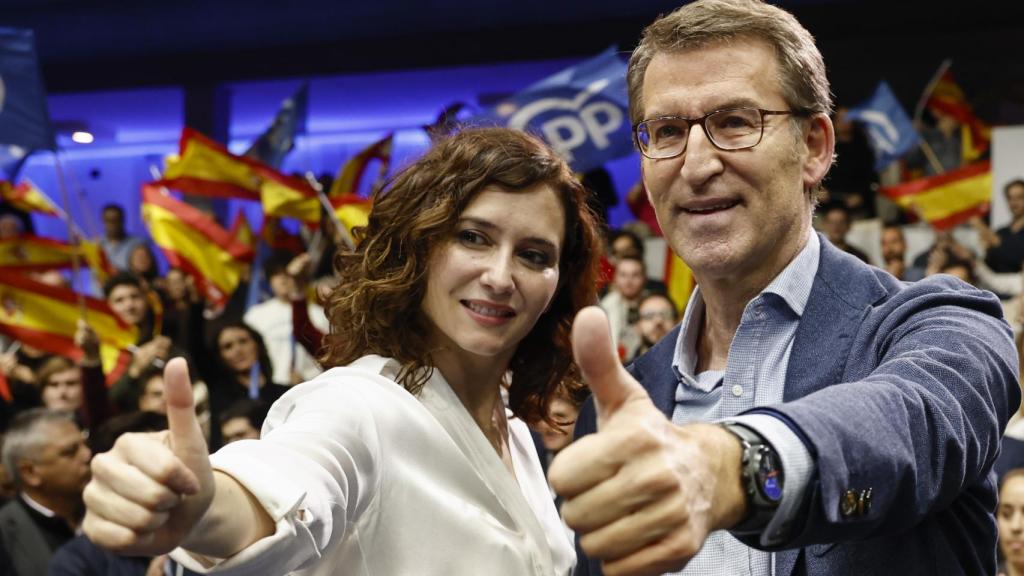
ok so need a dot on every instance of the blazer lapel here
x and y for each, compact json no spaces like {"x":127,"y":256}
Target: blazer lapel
{"x":654,"y":371}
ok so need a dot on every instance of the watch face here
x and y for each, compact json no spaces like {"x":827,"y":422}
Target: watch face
{"x":769,"y":477}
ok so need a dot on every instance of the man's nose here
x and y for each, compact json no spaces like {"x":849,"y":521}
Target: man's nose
{"x":701,"y":160}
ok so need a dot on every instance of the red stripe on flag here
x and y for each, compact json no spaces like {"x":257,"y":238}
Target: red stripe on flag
{"x":197,"y":220}
{"x":921,"y":185}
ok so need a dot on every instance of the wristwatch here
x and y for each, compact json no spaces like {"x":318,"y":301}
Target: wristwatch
{"x":762,"y":479}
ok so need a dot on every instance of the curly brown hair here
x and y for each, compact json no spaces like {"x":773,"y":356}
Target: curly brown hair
{"x":376,"y":306}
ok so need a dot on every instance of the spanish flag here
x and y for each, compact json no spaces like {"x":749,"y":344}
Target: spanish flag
{"x":352,"y":210}
{"x":947,"y":98}
{"x":47,"y":316}
{"x":31,"y":253}
{"x":27,"y":198}
{"x":206,"y":168}
{"x":195,"y":243}
{"x":241,"y":230}
{"x":351,"y":173}
{"x":947,"y":199}
{"x":288,"y":197}
{"x":278,"y":238}
{"x":679,"y":280}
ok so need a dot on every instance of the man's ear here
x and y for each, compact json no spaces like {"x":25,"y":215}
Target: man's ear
{"x":820,"y":140}
{"x":28,"y":474}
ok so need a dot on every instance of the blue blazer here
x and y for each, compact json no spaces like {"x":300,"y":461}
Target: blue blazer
{"x":900,"y":389}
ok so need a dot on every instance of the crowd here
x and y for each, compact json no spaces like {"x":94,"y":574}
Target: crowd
{"x":470,"y":231}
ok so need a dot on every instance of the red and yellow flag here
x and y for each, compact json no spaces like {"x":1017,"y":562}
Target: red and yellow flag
{"x":948,"y":98}
{"x":351,"y":173}
{"x":241,"y":230}
{"x":679,"y":280}
{"x":46,"y":317}
{"x":27,"y":198}
{"x":352,"y":210}
{"x":28,"y":253}
{"x":194,"y":242}
{"x":206,"y":168}
{"x":947,"y":199}
{"x":288,"y":197}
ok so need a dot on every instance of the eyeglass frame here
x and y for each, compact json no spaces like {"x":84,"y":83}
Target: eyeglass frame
{"x":702,"y":123}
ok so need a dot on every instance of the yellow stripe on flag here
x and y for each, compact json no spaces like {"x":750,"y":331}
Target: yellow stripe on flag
{"x":678,"y":280}
{"x":169,"y":232}
{"x":283,"y":201}
{"x":203,"y":162}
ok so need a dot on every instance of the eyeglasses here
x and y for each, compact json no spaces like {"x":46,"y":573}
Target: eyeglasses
{"x":658,"y":315}
{"x":728,"y":130}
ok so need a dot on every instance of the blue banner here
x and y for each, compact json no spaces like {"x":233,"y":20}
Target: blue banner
{"x":582,"y":111}
{"x":24,"y":118}
{"x":279,"y":138}
{"x":890,"y":131}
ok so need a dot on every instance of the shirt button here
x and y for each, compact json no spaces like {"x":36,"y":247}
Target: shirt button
{"x":737,"y":390}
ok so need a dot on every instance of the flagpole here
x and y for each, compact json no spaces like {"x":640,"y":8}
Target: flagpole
{"x":326,"y":203}
{"x":76,"y":265}
{"x":933,"y":160}
{"x":923,"y":100}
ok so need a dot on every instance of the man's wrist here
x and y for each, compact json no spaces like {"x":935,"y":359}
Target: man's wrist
{"x":730,"y":501}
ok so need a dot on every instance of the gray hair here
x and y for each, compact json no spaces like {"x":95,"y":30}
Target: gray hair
{"x":25,"y":438}
{"x":802,"y":75}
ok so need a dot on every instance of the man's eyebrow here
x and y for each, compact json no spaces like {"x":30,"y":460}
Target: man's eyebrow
{"x":734,"y":102}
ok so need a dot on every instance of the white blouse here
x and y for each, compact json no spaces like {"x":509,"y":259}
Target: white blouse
{"x":363,"y":478}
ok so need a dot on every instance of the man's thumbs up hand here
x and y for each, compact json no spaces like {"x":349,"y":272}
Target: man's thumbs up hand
{"x":148,"y":493}
{"x":642,"y":493}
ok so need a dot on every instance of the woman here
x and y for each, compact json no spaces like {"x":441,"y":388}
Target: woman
{"x":403,"y":460}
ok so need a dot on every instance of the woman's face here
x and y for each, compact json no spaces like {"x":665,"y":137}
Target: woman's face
{"x":1010,"y":518}
{"x":140,"y":260}
{"x":490,"y":282}
{"x":63,"y":390}
{"x":237,"y":349}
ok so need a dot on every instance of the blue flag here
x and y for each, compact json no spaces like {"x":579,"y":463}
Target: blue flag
{"x":582,"y":111}
{"x":279,"y":138}
{"x":24,"y":118}
{"x":890,"y":131}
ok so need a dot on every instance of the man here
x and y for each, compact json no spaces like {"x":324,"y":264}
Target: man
{"x":856,"y":417}
{"x":116,"y":243}
{"x":835,"y":222}
{"x":273,"y":320}
{"x":658,"y":316}
{"x":1004,"y":248}
{"x":621,"y":302}
{"x":46,"y":456}
{"x":894,"y":254}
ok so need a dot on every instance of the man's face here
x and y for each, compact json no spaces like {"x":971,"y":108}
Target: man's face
{"x":1015,"y":200}
{"x":282,"y":286}
{"x":836,"y":225}
{"x":113,"y":223}
{"x":128,"y":302}
{"x":61,"y":468}
{"x":893,"y":245}
{"x":238,"y":428}
{"x":732,"y":214}
{"x":657,"y":317}
{"x":629,"y":278}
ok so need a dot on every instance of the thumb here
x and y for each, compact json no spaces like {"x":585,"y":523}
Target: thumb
{"x":595,"y":355}
{"x":187,"y":440}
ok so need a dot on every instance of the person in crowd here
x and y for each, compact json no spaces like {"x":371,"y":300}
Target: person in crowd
{"x":853,"y":181}
{"x":45,"y":454}
{"x":622,"y":301}
{"x":658,"y":315}
{"x":242,"y":420}
{"x":151,"y":391}
{"x":835,"y":223}
{"x":894,"y":254}
{"x":142,"y":263}
{"x":273,"y":320}
{"x":116,"y":243}
{"x":465,"y":282}
{"x":624,"y":244}
{"x":811,"y":414}
{"x":1010,"y":516}
{"x":1004,"y":248}
{"x":127,"y":297}
{"x":60,"y":384}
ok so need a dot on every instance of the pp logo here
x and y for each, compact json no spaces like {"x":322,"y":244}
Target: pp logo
{"x":568,"y":123}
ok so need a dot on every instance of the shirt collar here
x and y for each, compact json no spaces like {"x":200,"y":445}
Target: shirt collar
{"x":793,"y":285}
{"x":37,"y":506}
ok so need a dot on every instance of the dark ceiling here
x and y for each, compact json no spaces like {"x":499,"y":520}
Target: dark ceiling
{"x":89,"y":45}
